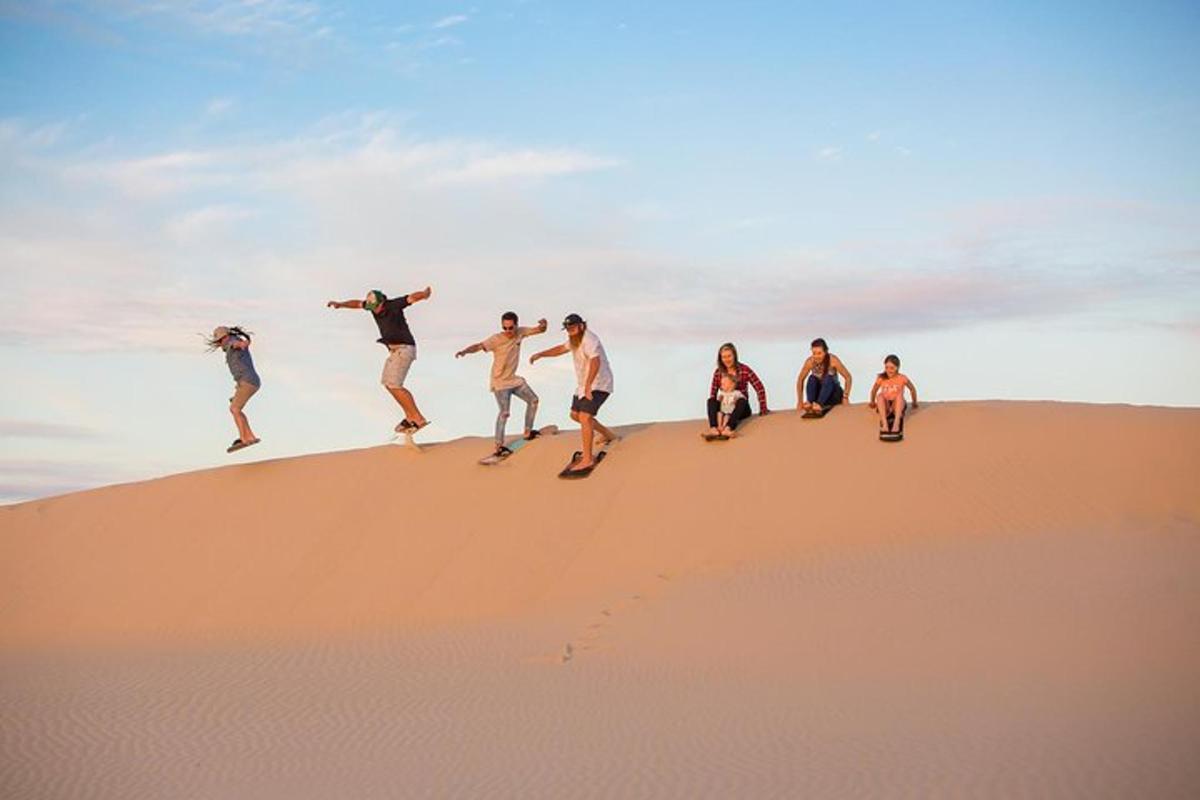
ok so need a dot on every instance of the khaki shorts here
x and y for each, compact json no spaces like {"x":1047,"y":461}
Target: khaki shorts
{"x":395,"y":369}
{"x":241,"y":394}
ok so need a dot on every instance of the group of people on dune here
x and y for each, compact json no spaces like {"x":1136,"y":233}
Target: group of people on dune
{"x":818,"y":387}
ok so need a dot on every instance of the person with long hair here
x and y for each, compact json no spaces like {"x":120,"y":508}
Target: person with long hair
{"x":593,"y":385}
{"x":818,"y":380}
{"x":505,"y":348}
{"x":395,"y":335}
{"x":235,"y":343}
{"x":887,"y":395}
{"x":744,"y":378}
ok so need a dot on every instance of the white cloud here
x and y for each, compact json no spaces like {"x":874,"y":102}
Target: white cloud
{"x":451,"y":21}
{"x":523,"y":164}
{"x":203,"y":222}
{"x":829,"y":153}
{"x":240,"y":17}
{"x":874,"y":136}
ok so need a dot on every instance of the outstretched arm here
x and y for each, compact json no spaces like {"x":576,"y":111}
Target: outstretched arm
{"x":551,"y":353}
{"x":540,"y":328}
{"x":344,"y":304}
{"x":424,"y":294}
{"x":474,"y":348}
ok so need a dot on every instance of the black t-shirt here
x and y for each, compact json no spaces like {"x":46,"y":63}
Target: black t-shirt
{"x":393,"y":327}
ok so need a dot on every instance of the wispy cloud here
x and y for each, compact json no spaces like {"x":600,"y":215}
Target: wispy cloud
{"x":524,"y":164}
{"x":829,"y":153}
{"x":450,"y":21}
{"x":33,"y":429}
{"x":219,"y":106}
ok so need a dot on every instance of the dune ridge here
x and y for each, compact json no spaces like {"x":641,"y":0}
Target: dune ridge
{"x":373,"y":538}
{"x":1002,"y":606}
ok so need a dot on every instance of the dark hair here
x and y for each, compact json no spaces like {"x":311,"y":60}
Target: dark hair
{"x":736,"y":363}
{"x":819,"y":342}
{"x":234,"y":330}
{"x":509,"y":315}
{"x":894,"y":359}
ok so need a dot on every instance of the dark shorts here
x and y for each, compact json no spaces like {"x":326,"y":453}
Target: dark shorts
{"x":589,"y":406}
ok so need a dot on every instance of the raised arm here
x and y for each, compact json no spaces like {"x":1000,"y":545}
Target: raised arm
{"x":344,"y":304}
{"x":807,"y":368}
{"x":557,"y":350}
{"x":474,"y":348}
{"x":424,"y":294}
{"x":540,"y":328}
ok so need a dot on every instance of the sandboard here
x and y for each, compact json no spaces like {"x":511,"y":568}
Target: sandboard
{"x":516,"y":445}
{"x":715,"y":437}
{"x":568,"y":474}
{"x":888,"y":436}
{"x":407,"y":435}
{"x":817,"y":414}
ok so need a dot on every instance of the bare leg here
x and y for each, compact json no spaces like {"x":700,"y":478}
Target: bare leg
{"x":608,"y":435}
{"x":243,"y":425}
{"x":881,"y":405}
{"x":587,"y":429}
{"x":898,"y":411}
{"x":405,"y":399}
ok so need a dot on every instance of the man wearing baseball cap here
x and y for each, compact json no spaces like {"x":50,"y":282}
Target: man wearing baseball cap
{"x":593,"y":383}
{"x":402,"y":347}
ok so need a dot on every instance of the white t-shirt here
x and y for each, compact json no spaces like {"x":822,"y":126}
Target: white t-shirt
{"x":588,"y":349}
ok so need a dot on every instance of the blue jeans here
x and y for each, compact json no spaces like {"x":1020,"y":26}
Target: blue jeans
{"x":504,"y":400}
{"x":823,"y":391}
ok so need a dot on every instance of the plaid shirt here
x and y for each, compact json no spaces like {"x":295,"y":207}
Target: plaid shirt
{"x":745,"y":376}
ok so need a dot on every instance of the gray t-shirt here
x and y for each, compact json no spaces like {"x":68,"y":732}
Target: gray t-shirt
{"x":241,"y":365}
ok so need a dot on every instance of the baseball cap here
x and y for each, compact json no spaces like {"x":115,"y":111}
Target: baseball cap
{"x":219,"y":333}
{"x":573,"y":319}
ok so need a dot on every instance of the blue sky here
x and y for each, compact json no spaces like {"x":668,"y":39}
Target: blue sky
{"x":1006,"y":194}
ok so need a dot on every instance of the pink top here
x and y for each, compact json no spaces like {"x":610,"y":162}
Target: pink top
{"x":891,"y":388}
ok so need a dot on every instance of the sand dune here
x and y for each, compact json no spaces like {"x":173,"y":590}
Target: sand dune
{"x":1004,"y":604}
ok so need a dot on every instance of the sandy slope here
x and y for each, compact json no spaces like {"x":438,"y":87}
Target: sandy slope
{"x":1004,"y":604}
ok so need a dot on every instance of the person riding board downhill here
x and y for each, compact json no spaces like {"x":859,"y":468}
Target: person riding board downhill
{"x":594,"y":384}
{"x":505,"y":348}
{"x":402,"y":347}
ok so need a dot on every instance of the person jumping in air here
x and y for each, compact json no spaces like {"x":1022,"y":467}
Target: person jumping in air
{"x":822,"y":388}
{"x":594,"y":384}
{"x":728,"y":397}
{"x":402,"y":348}
{"x":505,"y":348}
{"x":887,"y":395}
{"x":235,"y":342}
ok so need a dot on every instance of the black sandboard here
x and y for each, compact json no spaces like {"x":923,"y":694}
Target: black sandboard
{"x":569,"y":474}
{"x":888,"y":436}
{"x":715,"y":437}
{"x":817,"y":414}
